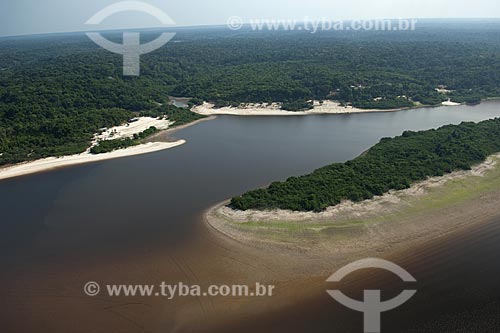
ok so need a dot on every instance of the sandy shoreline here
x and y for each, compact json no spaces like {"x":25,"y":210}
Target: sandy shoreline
{"x":396,"y":221}
{"x":129,"y":129}
{"x":157,"y":142}
{"x":327,"y":107}
{"x":164,"y":125}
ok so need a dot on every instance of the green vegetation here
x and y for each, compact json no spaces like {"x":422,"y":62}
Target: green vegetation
{"x":455,"y":193}
{"x":396,"y":103}
{"x":297,"y":106}
{"x":57,"y":91}
{"x":179,"y":116}
{"x":392,"y":164}
{"x":147,"y":133}
{"x":111,"y":145}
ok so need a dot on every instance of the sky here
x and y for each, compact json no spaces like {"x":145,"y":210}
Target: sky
{"x":20,"y":17}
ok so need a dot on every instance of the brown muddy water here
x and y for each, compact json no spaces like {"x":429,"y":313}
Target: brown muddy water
{"x":138,"y":220}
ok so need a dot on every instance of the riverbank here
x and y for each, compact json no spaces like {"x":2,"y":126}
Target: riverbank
{"x":128,"y":130}
{"x":166,"y":129}
{"x":157,"y":142}
{"x":396,"y":221}
{"x":52,"y":163}
{"x":118,"y":132}
{"x":274,"y":109}
{"x":165,"y":135}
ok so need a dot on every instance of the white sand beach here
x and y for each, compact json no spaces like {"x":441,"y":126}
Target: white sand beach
{"x":137,"y":126}
{"x":252,"y":109}
{"x":119,"y":132}
{"x":51,"y":163}
{"x":450,"y":103}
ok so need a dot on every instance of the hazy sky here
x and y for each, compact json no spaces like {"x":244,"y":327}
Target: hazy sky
{"x":42,"y":16}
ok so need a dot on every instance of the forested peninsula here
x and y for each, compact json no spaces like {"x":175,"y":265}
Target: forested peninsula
{"x":392,"y":164}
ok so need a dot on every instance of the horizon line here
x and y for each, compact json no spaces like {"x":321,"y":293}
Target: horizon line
{"x":40,"y":34}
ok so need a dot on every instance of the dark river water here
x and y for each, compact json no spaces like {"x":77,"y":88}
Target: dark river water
{"x":55,"y":225}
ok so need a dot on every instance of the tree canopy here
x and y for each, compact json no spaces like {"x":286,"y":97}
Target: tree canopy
{"x":57,"y":91}
{"x":392,"y":164}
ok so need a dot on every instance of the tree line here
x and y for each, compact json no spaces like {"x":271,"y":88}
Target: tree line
{"x":392,"y":164}
{"x":57,"y":91}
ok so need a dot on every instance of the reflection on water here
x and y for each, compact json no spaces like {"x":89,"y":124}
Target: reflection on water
{"x":115,"y":218}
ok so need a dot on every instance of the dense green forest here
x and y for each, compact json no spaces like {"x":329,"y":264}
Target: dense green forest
{"x":56,"y":91}
{"x":392,"y":164}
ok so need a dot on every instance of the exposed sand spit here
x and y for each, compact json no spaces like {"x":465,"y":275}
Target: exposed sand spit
{"x":119,"y":132}
{"x":51,"y":163}
{"x":274,"y":109}
{"x":357,"y":210}
{"x":428,"y":210}
{"x":128,"y":130}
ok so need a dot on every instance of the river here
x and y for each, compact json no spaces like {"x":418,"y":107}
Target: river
{"x":139,"y":220}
